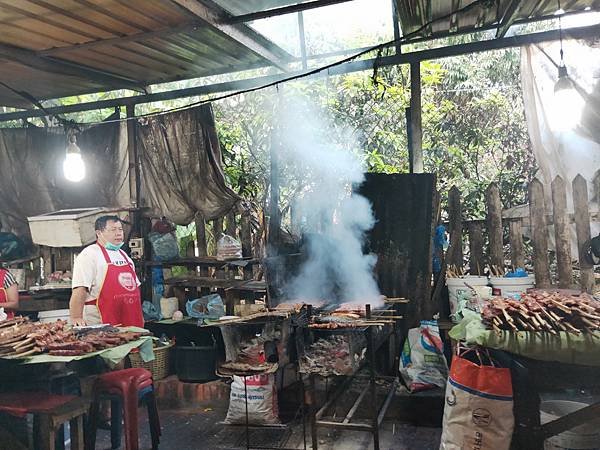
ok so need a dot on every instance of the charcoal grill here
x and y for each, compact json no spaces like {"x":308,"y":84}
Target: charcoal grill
{"x":373,"y":336}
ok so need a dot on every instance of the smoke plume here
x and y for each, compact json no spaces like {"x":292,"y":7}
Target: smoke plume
{"x":333,"y":218}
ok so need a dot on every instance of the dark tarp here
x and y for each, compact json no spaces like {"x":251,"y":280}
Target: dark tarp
{"x":31,"y":174}
{"x":181,"y":164}
{"x":179,"y":155}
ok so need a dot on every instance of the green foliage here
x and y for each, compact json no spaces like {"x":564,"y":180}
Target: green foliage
{"x":474,"y":129}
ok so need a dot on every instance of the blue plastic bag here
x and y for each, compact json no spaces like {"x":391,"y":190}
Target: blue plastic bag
{"x":518,"y":273}
{"x":150,"y":312}
{"x":164,"y":246}
{"x":208,"y":307}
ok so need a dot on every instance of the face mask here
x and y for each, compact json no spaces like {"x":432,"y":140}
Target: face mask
{"x":109,"y":245}
{"x":115,"y":247}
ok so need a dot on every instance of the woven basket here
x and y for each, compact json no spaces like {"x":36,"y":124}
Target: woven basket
{"x":159,"y":366}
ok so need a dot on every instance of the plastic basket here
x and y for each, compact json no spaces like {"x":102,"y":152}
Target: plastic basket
{"x":159,"y":366}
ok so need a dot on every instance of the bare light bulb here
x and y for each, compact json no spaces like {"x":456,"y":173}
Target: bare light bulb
{"x":73,"y":165}
{"x":568,"y":104}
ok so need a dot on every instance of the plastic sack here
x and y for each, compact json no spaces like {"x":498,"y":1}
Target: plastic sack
{"x":168,"y":306}
{"x":150,"y":312}
{"x":228,"y":248}
{"x":164,"y":246}
{"x":158,"y":287}
{"x":479,"y":403}
{"x":422,"y":362}
{"x":207,"y":307}
{"x":262,"y":401}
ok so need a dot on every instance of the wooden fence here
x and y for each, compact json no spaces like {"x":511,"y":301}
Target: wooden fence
{"x":509,"y":229}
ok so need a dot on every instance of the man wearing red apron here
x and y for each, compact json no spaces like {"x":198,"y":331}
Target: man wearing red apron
{"x":9,"y":293}
{"x":105,"y":285}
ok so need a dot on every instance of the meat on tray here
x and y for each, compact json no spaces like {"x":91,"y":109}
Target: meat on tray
{"x":549,"y":312}
{"x":19,"y":337}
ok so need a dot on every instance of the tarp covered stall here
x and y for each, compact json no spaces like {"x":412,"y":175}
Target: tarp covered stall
{"x":180,"y":158}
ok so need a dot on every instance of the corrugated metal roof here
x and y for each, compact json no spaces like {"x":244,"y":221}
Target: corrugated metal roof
{"x":414,"y":15}
{"x":239,"y":7}
{"x":56,"y":48}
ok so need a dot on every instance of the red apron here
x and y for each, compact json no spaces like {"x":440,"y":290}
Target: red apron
{"x":119,"y":301}
{"x":3,"y":295}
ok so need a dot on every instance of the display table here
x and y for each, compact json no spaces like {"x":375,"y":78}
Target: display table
{"x":539,"y":362}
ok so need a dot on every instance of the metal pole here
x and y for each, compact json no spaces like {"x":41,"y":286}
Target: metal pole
{"x":396,"y":24}
{"x":415,"y":117}
{"x":371,"y":356}
{"x":313,"y":413}
{"x":302,"y":38}
{"x":247,"y":421}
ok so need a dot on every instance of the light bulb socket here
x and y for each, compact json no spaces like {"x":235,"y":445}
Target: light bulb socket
{"x":563,"y":82}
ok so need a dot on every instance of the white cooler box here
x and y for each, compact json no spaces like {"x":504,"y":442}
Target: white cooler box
{"x":65,"y":228}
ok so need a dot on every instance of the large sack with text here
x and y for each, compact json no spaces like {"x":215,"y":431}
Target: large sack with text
{"x":262,"y":400}
{"x":479,"y":403}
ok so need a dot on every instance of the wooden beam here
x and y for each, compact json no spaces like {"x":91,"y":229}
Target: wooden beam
{"x":415,"y":117}
{"x":240,"y":33}
{"x":348,"y":67}
{"x":508,"y":17}
{"x":66,"y":68}
{"x":283,"y":10}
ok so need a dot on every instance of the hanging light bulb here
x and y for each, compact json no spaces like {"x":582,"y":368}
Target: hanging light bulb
{"x":568,"y":104}
{"x":73,"y":165}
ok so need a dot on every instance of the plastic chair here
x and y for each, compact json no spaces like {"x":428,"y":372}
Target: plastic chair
{"x":124,"y":388}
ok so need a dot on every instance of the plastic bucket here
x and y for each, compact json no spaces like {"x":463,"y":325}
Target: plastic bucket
{"x":512,"y":287}
{"x":196,"y":364}
{"x":586,"y":436}
{"x":457,"y":288}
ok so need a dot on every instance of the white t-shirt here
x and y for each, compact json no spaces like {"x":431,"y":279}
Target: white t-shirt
{"x":90,"y":267}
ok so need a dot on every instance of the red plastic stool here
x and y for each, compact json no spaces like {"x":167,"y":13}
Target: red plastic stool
{"x":127,"y":385}
{"x":49,"y":411}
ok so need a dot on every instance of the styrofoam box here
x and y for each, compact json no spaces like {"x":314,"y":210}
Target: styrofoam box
{"x":65,"y":228}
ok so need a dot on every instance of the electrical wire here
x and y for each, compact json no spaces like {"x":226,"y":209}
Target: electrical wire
{"x":379,"y":48}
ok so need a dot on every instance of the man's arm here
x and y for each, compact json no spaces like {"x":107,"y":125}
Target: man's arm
{"x":78,"y":296}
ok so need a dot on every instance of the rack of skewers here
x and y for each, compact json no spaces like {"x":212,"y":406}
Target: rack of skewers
{"x":355,"y":315}
{"x":454,"y":271}
{"x":19,"y":338}
{"x":343,"y":340}
{"x":542,"y":311}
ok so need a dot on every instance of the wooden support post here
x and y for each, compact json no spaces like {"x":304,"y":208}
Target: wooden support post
{"x":455,"y":253}
{"x":246,"y":234}
{"x":230,"y":226}
{"x":494,"y":225}
{"x":217,"y":230}
{"x":582,"y":226}
{"x":274,"y":213}
{"x":134,"y":174}
{"x":476,"y":261}
{"x":415,"y":117}
{"x":201,"y":234}
{"x":539,"y":233}
{"x":517,"y":253}
{"x":561,"y":233}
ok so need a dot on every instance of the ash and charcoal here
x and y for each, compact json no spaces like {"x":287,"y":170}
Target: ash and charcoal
{"x":334,"y":355}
